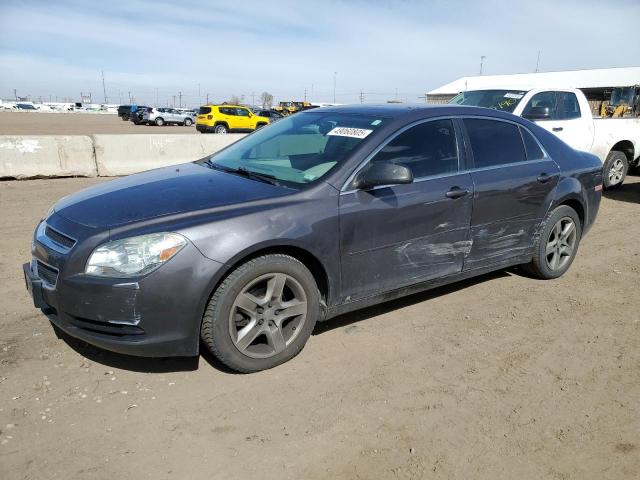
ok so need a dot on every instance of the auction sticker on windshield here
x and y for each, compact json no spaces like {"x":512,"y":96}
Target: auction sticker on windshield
{"x":514,"y":95}
{"x":350,"y":132}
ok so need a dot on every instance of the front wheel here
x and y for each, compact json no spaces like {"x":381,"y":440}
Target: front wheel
{"x":615,"y":169}
{"x":557,"y":245}
{"x":262,"y":314}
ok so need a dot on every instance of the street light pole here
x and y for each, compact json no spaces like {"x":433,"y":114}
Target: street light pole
{"x":334,"y":86}
{"x":482,"y":57}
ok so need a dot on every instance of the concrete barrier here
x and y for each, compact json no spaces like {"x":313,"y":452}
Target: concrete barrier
{"x":126,"y":154}
{"x":46,"y":156}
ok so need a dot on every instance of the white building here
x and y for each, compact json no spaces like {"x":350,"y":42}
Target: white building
{"x":594,"y":83}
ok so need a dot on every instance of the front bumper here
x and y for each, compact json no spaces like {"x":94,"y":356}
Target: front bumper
{"x":158,"y":315}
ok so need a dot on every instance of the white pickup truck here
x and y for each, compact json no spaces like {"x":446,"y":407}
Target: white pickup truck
{"x":566,"y":113}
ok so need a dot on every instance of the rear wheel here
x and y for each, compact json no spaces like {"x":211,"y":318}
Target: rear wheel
{"x":188,"y":122}
{"x":615,"y":169}
{"x":220,"y":129}
{"x":262,"y":314}
{"x":557,"y":245}
{"x":159,"y":121}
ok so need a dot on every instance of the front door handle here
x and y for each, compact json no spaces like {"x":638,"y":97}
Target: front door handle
{"x":557,"y":129}
{"x":456,"y":192}
{"x":544,"y":178}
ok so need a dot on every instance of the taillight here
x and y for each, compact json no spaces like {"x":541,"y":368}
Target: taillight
{"x":209,"y":117}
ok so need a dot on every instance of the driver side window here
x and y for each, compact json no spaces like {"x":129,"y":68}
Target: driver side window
{"x":541,"y":100}
{"x":427,"y":149}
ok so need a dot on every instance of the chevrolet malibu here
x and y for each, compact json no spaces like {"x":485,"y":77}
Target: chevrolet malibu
{"x":319,"y":214}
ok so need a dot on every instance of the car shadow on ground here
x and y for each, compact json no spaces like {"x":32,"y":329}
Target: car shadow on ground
{"x":187,"y":364}
{"x":627,"y":192}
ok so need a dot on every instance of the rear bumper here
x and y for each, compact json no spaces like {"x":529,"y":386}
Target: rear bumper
{"x":204,"y":128}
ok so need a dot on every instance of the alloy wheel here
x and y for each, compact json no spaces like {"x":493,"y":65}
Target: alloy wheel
{"x":267,"y":315}
{"x":561,"y":243}
{"x":616,"y":172}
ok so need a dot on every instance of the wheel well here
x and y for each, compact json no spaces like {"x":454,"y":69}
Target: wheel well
{"x":626,"y":147}
{"x":308,"y":259}
{"x":577,"y":206}
{"x":221,"y":123}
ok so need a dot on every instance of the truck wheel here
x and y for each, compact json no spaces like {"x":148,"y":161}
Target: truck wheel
{"x":615,"y":169}
{"x":262,"y":314}
{"x":221,"y":129}
{"x":187,"y":122}
{"x":557,"y":244}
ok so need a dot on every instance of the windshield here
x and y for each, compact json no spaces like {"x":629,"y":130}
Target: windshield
{"x":298,"y":149}
{"x":504,"y":100}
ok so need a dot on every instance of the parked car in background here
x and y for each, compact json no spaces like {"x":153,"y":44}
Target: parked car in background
{"x":228,"y":118}
{"x":272,"y":115}
{"x":124,"y":111}
{"x":566,"y":113}
{"x":166,"y":116}
{"x":25,"y":106}
{"x":324,"y":212}
{"x":136,"y":116}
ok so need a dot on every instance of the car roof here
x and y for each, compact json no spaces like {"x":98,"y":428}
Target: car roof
{"x":397,"y":111}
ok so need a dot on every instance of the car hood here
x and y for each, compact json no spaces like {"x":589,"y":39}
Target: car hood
{"x":165,"y":191}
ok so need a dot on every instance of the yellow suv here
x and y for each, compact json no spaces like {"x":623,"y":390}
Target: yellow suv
{"x":228,"y":118}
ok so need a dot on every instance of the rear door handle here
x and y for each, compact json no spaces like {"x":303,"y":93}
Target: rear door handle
{"x":557,"y":129}
{"x":456,"y":192}
{"x":544,"y":178}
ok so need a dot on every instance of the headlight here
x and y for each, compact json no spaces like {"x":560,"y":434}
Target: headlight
{"x":135,"y":255}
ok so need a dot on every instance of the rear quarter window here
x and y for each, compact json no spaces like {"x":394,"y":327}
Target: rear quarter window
{"x":534,"y":152}
{"x":494,"y":142}
{"x":204,"y":110}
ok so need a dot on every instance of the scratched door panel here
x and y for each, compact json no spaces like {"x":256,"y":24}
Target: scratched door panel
{"x":509,"y":204}
{"x":395,"y":236}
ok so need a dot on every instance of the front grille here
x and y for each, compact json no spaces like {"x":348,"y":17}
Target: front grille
{"x":59,"y":238}
{"x":47,"y":273}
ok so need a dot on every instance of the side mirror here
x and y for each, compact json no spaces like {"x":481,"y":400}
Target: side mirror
{"x":383,"y":173}
{"x":538,"y":113}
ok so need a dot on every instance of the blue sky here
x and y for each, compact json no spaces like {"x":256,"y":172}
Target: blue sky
{"x":149,"y":48}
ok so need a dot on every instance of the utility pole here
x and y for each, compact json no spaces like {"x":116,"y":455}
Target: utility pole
{"x":305,"y":94}
{"x":207,"y":99}
{"x":104,"y":89}
{"x":156,"y":96}
{"x":180,"y":97}
{"x":15,"y":94}
{"x":482,"y":57}
{"x":361,"y":96}
{"x":335,"y":74}
{"x":538,"y":62}
{"x":130,"y":98}
{"x":253,"y":99}
{"x":174,"y":101}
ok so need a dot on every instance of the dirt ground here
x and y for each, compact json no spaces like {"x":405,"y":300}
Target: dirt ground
{"x":28,"y":123}
{"x":501,"y":377}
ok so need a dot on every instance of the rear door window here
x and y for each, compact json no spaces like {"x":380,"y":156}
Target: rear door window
{"x":534,"y":152}
{"x":204,"y":110}
{"x":568,"y":107}
{"x":494,"y":143}
{"x":427,"y":149}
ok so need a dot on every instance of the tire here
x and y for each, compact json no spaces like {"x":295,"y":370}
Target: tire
{"x":159,"y":121}
{"x":241,"y":308}
{"x":125,"y":118}
{"x":615,"y":170}
{"x":556,"y":240}
{"x":187,"y":122}
{"x":221,"y":129}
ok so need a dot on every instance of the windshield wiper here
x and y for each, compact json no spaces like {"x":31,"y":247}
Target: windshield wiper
{"x":245,"y":172}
